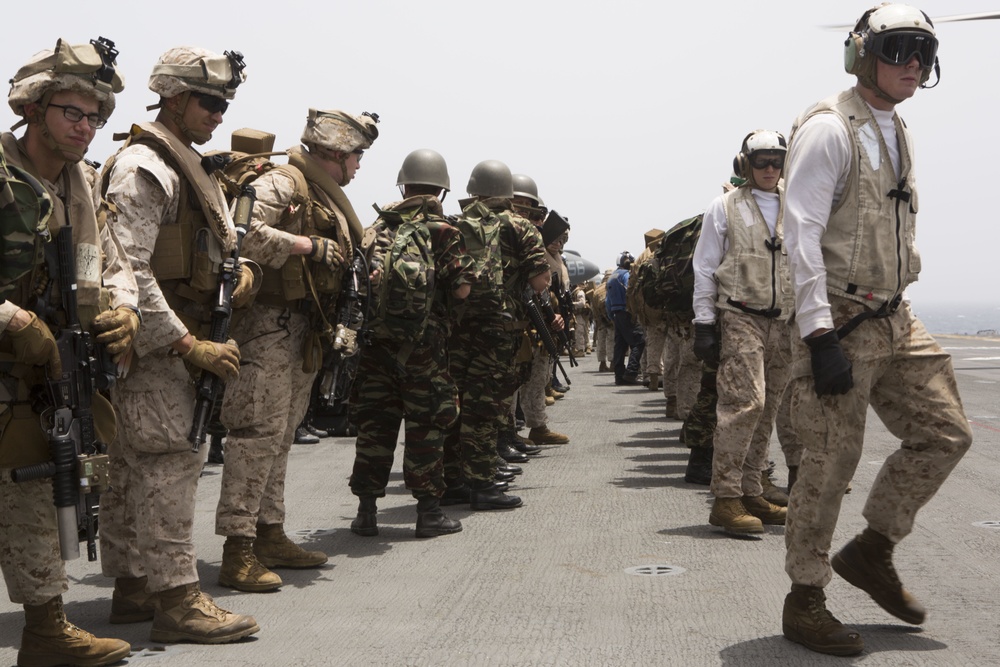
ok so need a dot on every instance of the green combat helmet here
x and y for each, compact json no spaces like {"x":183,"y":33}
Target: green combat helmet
{"x":524,"y":186}
{"x":491,"y":178}
{"x":424,"y":167}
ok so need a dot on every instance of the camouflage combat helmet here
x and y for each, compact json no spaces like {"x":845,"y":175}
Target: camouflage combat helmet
{"x":188,"y":70}
{"x":88,"y":69}
{"x":491,"y":178}
{"x":424,"y":167}
{"x":340,"y":131}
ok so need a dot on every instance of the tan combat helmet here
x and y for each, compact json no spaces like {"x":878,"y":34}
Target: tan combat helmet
{"x":340,"y":131}
{"x":188,"y":70}
{"x":88,"y":69}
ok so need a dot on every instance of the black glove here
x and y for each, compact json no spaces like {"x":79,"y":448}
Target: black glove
{"x":706,"y":343}
{"x":830,"y":366}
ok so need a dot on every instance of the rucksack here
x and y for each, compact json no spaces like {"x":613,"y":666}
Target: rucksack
{"x":25,"y":207}
{"x":481,"y":231}
{"x":405,"y":293}
{"x":669,"y":280}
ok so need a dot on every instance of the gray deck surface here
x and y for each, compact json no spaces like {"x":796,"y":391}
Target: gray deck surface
{"x":548,"y":584}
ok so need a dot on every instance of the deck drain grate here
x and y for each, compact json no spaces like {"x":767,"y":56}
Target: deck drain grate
{"x":995,"y":525}
{"x":654,"y":570}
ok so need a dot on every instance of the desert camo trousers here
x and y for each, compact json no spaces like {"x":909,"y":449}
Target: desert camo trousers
{"x":262,"y":408}
{"x":908,"y":380}
{"x":791,"y":445}
{"x":681,"y":369}
{"x":147,"y":516}
{"x":652,"y":355}
{"x":533,"y":391}
{"x":604,"y":341}
{"x":29,"y":541}
{"x":581,"y":340}
{"x":413,"y":387}
{"x":753,"y":373}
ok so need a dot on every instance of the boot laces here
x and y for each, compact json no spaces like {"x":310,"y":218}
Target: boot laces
{"x":821,"y":616}
{"x":206,"y":605}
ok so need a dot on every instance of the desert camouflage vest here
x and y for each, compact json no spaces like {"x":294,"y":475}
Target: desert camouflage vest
{"x":321,"y":210}
{"x":754,"y":271}
{"x":868,"y":247}
{"x":188,"y":253}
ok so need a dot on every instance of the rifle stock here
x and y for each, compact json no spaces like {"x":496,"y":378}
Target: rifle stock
{"x":210,"y":384}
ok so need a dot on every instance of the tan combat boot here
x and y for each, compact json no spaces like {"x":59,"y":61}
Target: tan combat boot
{"x":241,"y":569}
{"x":866,"y":562}
{"x":730,"y":515}
{"x":603,"y":368}
{"x":549,"y":401}
{"x":805,"y":620}
{"x":186,"y":614}
{"x":773,"y":494}
{"x":541,"y":435}
{"x":654,"y":382}
{"x":273,"y":549}
{"x":672,"y":408}
{"x":130,"y":601}
{"x":49,"y":639}
{"x":768,"y":513}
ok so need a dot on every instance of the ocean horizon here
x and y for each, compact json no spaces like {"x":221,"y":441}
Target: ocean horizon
{"x":955,"y":318}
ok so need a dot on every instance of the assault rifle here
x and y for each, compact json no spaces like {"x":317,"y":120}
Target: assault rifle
{"x":540,"y":315}
{"x":79,"y":465}
{"x":209,"y":384}
{"x":342,"y":346}
{"x":566,"y":310}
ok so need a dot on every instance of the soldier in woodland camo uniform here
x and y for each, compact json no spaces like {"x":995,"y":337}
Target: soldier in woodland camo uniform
{"x":406,"y":378}
{"x":483,"y":347}
{"x":63,"y":105}
{"x":174,"y":224}
{"x":304,"y":231}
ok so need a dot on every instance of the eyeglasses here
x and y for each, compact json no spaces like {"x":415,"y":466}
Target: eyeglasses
{"x":75,"y":115}
{"x":898,"y":47}
{"x":359,"y":152}
{"x":211,"y":103}
{"x":762,"y":162}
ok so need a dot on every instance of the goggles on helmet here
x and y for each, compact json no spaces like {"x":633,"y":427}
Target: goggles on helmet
{"x":899,"y":46}
{"x":764,"y":160}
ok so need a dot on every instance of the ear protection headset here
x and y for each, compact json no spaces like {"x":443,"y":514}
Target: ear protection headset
{"x":741,"y":163}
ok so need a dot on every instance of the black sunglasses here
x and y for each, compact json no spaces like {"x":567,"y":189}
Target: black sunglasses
{"x":211,"y":103}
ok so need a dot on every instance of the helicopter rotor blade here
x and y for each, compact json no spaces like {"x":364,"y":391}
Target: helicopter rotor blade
{"x":980,"y":16}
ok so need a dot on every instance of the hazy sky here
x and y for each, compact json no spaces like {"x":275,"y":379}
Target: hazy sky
{"x":627,"y":114}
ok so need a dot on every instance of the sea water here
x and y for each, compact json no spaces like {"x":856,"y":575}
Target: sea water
{"x":954,"y":318}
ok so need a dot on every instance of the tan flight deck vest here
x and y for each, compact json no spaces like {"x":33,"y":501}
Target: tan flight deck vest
{"x":868,"y":247}
{"x":22,"y":441}
{"x":751,"y":273}
{"x":318,"y":208}
{"x":188,"y":253}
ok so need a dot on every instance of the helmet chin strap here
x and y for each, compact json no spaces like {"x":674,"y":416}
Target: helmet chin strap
{"x":178,"y":118}
{"x":71,"y":154}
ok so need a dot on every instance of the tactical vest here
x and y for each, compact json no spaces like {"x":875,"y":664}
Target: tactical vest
{"x":188,"y":253}
{"x":318,"y":208}
{"x":754,"y":276}
{"x":868,"y":247}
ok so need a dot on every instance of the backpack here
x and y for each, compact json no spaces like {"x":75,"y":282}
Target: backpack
{"x":669,"y":280}
{"x":25,"y":207}
{"x":405,"y":294}
{"x":481,"y":231}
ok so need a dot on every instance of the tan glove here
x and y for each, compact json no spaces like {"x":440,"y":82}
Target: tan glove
{"x":326,"y":251}
{"x":243,"y":292}
{"x":222,"y":359}
{"x":35,"y":345}
{"x":118,"y":328}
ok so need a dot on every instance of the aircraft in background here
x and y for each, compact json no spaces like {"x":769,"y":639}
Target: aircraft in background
{"x":580,"y":269}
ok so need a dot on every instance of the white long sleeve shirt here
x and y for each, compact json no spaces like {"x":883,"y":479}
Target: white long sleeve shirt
{"x":819,"y":163}
{"x":713,"y":243}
